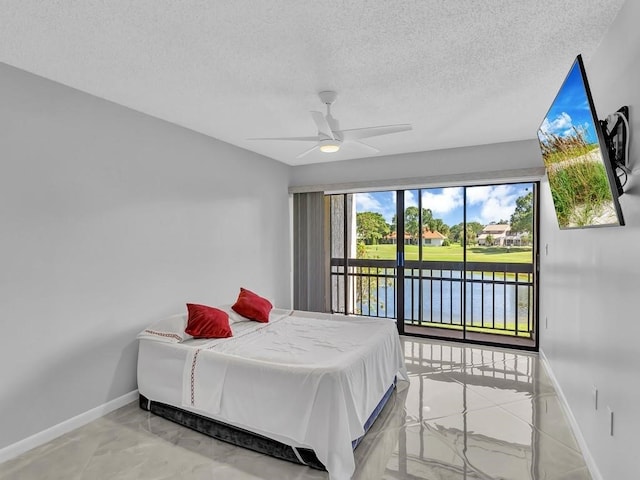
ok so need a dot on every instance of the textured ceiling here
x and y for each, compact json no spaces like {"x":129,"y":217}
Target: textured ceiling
{"x":463,"y":72}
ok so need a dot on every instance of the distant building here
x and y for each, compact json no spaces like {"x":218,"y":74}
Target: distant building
{"x":516,"y":239}
{"x":393,"y":238}
{"x":433,"y":239}
{"x":429,"y":238}
{"x":502,"y":236}
{"x":498,"y":233}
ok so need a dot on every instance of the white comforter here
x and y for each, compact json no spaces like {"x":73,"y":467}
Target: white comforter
{"x":314,"y":379}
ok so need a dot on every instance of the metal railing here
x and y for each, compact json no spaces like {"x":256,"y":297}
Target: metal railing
{"x":485,"y":296}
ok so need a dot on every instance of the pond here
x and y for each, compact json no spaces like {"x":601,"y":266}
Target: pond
{"x":489,"y":302}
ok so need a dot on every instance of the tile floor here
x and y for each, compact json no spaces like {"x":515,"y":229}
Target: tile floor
{"x":469,"y":413}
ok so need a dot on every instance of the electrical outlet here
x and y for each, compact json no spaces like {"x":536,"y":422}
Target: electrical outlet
{"x":610,"y":420}
{"x":595,"y":397}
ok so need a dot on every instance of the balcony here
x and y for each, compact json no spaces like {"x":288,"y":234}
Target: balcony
{"x":441,"y":298}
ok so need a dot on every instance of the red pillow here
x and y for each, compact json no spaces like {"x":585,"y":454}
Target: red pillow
{"x":207,"y":322}
{"x":252,"y":306}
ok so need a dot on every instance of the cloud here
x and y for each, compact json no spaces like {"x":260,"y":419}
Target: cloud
{"x":496,"y":202}
{"x":366,"y":202}
{"x":485,"y":204}
{"x":444,"y":202}
{"x":410,"y":199}
{"x":380,"y":202}
{"x":562,"y":125}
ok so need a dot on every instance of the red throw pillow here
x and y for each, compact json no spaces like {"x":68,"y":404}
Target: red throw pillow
{"x":207,"y":322}
{"x":252,"y":306}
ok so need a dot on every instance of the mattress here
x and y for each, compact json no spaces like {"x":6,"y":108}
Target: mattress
{"x":306,"y":380}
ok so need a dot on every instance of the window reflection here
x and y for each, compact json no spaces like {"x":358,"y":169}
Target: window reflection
{"x":456,"y":426}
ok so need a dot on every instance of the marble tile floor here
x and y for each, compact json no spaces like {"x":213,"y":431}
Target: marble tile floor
{"x":469,"y":413}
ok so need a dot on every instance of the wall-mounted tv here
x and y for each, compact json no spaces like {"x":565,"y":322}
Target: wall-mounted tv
{"x":583,"y":181}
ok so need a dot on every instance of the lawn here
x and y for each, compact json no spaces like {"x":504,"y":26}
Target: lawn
{"x":453,"y":253}
{"x":509,"y":329}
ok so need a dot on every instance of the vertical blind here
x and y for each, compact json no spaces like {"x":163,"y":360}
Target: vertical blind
{"x":310,"y":258}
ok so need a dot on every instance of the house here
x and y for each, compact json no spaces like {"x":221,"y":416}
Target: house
{"x":496,"y":233}
{"x":429,"y":238}
{"x":516,"y":239}
{"x":432,"y":239}
{"x":393,"y":238}
{"x":111,"y":217}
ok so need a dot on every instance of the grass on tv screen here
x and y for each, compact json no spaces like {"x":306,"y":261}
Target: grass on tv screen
{"x":580,"y":176}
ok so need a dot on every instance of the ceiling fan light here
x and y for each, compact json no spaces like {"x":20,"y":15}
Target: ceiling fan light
{"x":329,"y":146}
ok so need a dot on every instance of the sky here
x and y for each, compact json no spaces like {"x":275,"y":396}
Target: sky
{"x":570,"y":108}
{"x":485,"y":204}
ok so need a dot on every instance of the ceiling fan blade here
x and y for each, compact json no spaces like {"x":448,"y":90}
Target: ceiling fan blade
{"x":367,"y":132}
{"x":298,"y":139}
{"x":323,"y":126}
{"x":366,"y":146}
{"x":307,"y":152}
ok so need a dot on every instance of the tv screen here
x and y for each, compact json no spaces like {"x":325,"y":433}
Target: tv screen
{"x":583,"y":181}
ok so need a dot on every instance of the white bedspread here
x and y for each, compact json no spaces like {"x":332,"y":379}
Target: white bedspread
{"x":314,"y":379}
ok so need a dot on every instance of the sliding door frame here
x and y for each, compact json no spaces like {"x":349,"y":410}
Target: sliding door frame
{"x":400,"y":263}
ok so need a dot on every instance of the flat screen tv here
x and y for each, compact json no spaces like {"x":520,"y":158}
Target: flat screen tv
{"x":583,"y":181}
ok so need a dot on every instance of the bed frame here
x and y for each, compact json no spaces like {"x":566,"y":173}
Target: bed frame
{"x":247,"y":439}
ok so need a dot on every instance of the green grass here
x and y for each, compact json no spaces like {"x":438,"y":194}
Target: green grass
{"x":579,"y":192}
{"x":510,"y":328}
{"x":557,"y":149}
{"x":574,"y":152}
{"x":452,"y":253}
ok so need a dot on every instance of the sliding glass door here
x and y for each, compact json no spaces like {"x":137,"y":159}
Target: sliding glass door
{"x":434,"y":262}
{"x":451,"y":262}
{"x":500,"y":259}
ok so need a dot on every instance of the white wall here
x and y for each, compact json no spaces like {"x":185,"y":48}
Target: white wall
{"x":109,"y":220}
{"x":590,"y":280}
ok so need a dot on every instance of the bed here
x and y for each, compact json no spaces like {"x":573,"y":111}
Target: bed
{"x":303,"y":387}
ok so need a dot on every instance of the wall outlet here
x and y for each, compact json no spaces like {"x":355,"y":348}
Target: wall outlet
{"x":595,"y":397}
{"x":610,"y":420}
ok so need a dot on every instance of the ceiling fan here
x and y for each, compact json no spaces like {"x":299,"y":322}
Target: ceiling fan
{"x":330,"y":138}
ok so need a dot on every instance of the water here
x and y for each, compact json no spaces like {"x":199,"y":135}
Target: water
{"x":489,"y":305}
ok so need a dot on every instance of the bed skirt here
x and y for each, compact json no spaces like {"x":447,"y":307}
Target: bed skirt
{"x":247,"y":439}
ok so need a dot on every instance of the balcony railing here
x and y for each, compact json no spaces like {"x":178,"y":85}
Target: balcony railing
{"x":483,"y":297}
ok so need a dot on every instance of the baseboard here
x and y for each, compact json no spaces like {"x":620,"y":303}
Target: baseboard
{"x":49,"y":434}
{"x":588,"y":458}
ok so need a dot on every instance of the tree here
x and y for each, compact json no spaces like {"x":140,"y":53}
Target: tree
{"x":437,"y":225}
{"x":522,"y":217}
{"x":411,"y":218}
{"x":473,"y":230}
{"x":489,"y":240}
{"x":455,"y":233}
{"x":472,"y":236}
{"x":475,"y":227}
{"x":411,"y":221}
{"x":371,"y":227}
